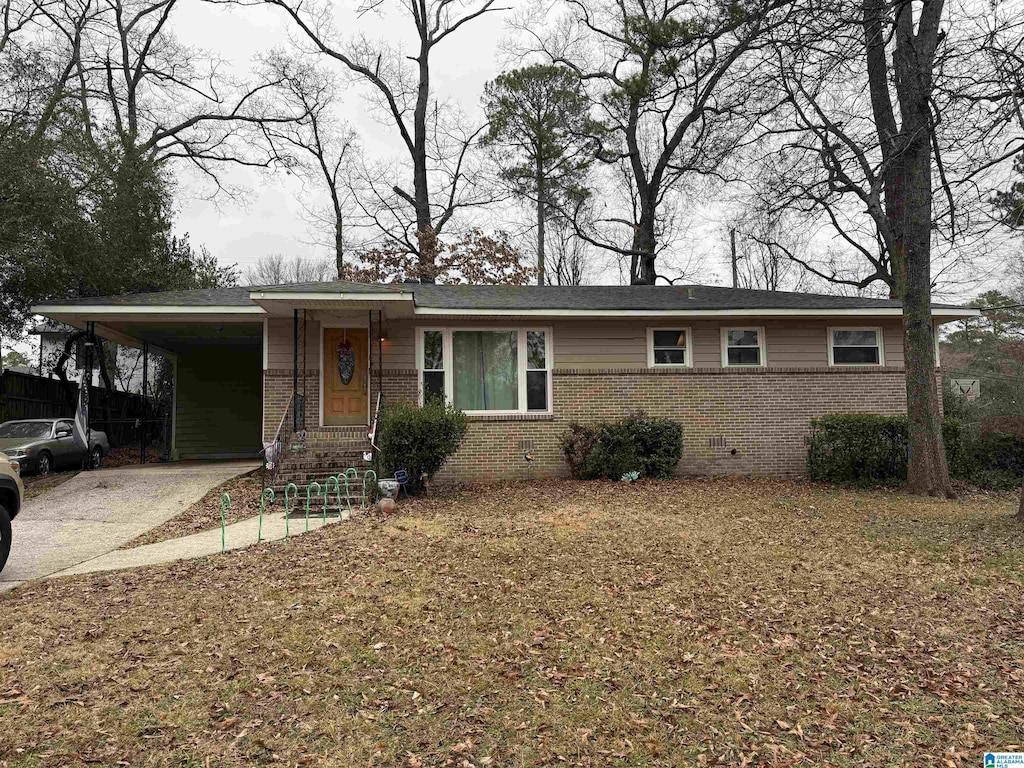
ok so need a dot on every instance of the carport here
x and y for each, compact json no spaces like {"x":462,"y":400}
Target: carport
{"x":214,"y":342}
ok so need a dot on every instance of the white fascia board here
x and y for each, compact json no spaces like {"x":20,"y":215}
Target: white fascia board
{"x":857,"y":312}
{"x":138,"y":309}
{"x":316,"y":296}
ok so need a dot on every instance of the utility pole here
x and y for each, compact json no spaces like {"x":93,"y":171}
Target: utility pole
{"x":732,"y":251}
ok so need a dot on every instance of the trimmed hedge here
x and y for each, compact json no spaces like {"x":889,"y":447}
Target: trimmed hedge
{"x":868,"y":449}
{"x":418,"y":439}
{"x":652,"y":447}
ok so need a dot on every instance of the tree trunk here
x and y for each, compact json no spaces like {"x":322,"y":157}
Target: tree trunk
{"x":927,"y":471}
{"x":540,"y":221}
{"x":425,"y":235}
{"x":339,"y":245}
{"x":907,"y":224}
{"x":644,"y":246}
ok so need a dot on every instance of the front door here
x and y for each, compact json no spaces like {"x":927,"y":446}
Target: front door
{"x":346,"y":376}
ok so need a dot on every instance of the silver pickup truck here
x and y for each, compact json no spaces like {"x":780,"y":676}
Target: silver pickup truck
{"x":43,"y":445}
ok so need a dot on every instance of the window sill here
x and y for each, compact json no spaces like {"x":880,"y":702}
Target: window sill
{"x":471,"y":417}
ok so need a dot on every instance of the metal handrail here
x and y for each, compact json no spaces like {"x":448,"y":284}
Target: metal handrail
{"x":273,"y":451}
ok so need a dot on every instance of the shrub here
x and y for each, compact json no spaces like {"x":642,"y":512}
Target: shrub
{"x":867,"y":449}
{"x":652,"y":447}
{"x":418,"y":439}
{"x":996,"y":460}
{"x":860,"y":448}
{"x":577,"y":443}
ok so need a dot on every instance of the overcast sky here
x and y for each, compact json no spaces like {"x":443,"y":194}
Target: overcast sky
{"x":271,"y":218}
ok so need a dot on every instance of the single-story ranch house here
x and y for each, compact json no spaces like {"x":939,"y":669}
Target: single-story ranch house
{"x":743,"y":371}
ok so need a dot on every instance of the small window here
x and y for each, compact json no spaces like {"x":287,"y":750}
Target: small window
{"x":433,"y":365}
{"x":536,"y":371}
{"x":855,"y":346}
{"x":668,"y":346}
{"x":742,"y":347}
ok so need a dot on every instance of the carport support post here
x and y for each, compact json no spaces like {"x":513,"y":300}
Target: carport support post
{"x":295,"y":370}
{"x":90,"y":340}
{"x":145,"y":386}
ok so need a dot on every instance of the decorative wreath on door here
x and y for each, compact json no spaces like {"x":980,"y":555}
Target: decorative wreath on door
{"x":346,"y":361}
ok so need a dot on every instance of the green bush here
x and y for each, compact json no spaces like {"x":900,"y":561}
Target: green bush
{"x":418,"y":439}
{"x":577,"y":443}
{"x":862,"y":448}
{"x":868,"y":449}
{"x":652,"y":447}
{"x":996,"y":460}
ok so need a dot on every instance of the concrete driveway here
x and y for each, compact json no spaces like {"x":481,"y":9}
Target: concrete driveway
{"x":96,"y":512}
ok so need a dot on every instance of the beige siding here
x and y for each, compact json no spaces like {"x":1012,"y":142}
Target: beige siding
{"x":281,"y":342}
{"x":399,"y":346}
{"x":603,"y":343}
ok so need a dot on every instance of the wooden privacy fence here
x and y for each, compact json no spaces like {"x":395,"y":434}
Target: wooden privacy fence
{"x":24,"y":396}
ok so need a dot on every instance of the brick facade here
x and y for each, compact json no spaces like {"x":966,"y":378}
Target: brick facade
{"x":735,"y":421}
{"x":277,"y":388}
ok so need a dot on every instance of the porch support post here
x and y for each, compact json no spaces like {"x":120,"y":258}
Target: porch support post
{"x":369,"y":372}
{"x":145,"y":386}
{"x":295,"y":370}
{"x":305,"y":369}
{"x":380,"y":351}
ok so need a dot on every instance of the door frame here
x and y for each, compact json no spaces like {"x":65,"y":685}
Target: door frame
{"x":352,"y":327}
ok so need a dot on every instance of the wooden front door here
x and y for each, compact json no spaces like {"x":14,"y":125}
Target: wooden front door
{"x":346,"y":376}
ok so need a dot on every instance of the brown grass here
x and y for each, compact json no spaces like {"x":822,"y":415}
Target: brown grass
{"x":662,"y":624}
{"x":244,"y":491}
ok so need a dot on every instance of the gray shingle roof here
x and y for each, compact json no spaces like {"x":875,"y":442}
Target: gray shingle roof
{"x":506,"y":297}
{"x":603,"y":297}
{"x":201,"y":297}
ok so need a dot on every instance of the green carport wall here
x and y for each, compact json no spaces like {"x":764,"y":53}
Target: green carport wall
{"x":218,"y":406}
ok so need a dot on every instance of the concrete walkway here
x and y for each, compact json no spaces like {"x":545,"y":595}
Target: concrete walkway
{"x":96,"y":512}
{"x":236,"y":535}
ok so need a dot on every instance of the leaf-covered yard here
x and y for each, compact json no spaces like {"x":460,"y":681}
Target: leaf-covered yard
{"x":674,"y":623}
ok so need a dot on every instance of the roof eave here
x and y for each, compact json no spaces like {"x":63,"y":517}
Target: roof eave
{"x":946,"y":313}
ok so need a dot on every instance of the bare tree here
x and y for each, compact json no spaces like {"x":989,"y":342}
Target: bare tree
{"x":324,"y":145}
{"x":768,"y":246}
{"x":883,"y":143}
{"x":432,"y":134}
{"x":678,"y":87}
{"x":275,"y":269}
{"x":571,"y":258}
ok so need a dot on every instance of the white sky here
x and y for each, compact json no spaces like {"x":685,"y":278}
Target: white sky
{"x":271,"y":218}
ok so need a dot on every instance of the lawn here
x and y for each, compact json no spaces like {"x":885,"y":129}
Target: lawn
{"x":662,"y":624}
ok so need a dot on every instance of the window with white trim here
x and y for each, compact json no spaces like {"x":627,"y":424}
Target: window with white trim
{"x":432,"y":376}
{"x":855,"y":346}
{"x":742,"y":347}
{"x":486,"y":370}
{"x":668,"y":347}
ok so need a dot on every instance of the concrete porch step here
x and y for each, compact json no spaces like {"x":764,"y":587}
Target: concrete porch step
{"x":304,"y":477}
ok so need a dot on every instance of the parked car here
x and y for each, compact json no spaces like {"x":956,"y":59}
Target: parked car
{"x":11,"y":491}
{"x":43,"y":445}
